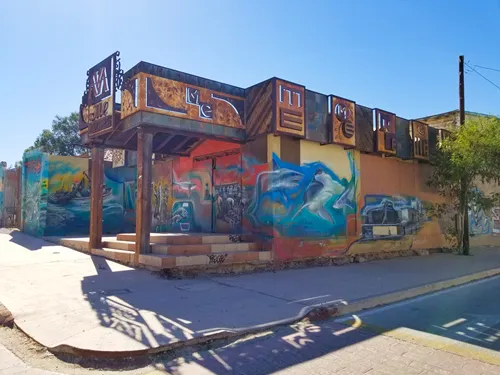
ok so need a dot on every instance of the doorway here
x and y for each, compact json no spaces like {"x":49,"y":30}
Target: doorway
{"x":225,"y":189}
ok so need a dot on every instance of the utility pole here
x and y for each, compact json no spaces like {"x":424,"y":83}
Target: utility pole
{"x":461,"y":94}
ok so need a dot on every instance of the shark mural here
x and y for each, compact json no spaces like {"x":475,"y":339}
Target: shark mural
{"x":310,"y":200}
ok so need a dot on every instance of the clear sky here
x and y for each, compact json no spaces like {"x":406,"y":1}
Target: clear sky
{"x":398,"y":55}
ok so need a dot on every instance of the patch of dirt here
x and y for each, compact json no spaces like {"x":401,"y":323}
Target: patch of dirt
{"x":37,"y":356}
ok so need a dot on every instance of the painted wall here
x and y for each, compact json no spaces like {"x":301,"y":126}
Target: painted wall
{"x":309,"y":209}
{"x":484,"y":225}
{"x":200,"y":193}
{"x":338,"y":202}
{"x":56,"y":196}
{"x":9,"y":213}
{"x":34,"y":192}
{"x":2,"y":173}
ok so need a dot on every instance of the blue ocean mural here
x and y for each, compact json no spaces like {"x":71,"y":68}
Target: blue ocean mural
{"x":56,"y":196}
{"x":309,"y":200}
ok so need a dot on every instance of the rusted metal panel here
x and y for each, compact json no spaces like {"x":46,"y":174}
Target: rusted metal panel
{"x":343,"y":121}
{"x":317,"y":117}
{"x":178,"y":99}
{"x":259,"y":109}
{"x":420,"y":140}
{"x":289,"y":115}
{"x":386,"y":132}
{"x":364,"y":129}
{"x":97,"y":111}
{"x":403,"y":139}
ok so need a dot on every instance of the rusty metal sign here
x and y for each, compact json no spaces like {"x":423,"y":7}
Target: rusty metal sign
{"x":98,"y":100}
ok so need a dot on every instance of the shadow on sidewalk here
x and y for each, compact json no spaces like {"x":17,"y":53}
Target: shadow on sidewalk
{"x":155,"y":312}
{"x":28,"y":242}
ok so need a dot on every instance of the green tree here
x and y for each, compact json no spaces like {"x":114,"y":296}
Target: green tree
{"x":467,"y":159}
{"x":62,"y":139}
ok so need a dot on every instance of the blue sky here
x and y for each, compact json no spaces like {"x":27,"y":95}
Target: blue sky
{"x":398,"y":55}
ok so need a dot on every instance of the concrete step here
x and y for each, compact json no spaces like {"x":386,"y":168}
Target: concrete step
{"x":182,"y":238}
{"x":119,"y":245}
{"x":203,"y":249}
{"x":122,"y":256}
{"x":206,"y":260}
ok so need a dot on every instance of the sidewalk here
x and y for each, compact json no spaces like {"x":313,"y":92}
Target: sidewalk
{"x":66,"y":299}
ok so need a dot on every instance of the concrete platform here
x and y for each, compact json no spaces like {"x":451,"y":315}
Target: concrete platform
{"x":175,"y":250}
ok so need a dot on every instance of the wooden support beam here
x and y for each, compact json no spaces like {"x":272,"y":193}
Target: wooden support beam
{"x":164,"y":143}
{"x":182,"y":143}
{"x":96,"y":197}
{"x":144,"y":182}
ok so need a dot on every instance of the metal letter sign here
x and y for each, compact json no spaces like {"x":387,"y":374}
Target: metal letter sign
{"x":98,"y":101}
{"x":386,"y":131}
{"x":420,"y":136}
{"x":344,"y":122}
{"x":290,"y":109}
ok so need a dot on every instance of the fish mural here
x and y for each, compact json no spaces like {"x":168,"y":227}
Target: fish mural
{"x":308,"y":201}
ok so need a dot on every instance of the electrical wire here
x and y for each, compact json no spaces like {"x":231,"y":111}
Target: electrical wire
{"x":479,"y":74}
{"x":485,"y":67}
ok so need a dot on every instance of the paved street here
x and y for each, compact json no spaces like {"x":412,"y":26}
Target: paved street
{"x":469,"y":314}
{"x":411,"y":344}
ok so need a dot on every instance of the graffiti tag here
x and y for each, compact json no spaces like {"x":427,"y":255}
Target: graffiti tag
{"x":33,"y":165}
{"x":217,"y":259}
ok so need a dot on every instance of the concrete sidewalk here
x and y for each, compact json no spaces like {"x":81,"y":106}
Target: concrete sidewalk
{"x":65,"y":299}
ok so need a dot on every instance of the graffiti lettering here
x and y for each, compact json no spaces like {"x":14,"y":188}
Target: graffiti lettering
{"x":33,"y":166}
{"x":216,"y":258}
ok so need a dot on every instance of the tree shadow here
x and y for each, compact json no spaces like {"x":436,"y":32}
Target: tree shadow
{"x":155,"y":312}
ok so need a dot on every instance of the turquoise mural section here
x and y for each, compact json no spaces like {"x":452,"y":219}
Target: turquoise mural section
{"x":304,"y":201}
{"x":35,"y":192}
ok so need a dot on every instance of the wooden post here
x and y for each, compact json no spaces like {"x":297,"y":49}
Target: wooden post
{"x":144,"y":181}
{"x":96,"y":192}
{"x":461,"y":102}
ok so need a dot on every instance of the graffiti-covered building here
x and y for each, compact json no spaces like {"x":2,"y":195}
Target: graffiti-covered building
{"x":209,"y":173}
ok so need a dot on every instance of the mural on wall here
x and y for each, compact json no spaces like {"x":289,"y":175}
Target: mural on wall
{"x":228,"y":193}
{"x":391,"y":217}
{"x":35,"y":191}
{"x":192,"y":198}
{"x":68,"y":208}
{"x":308,"y":201}
{"x":162,"y":194}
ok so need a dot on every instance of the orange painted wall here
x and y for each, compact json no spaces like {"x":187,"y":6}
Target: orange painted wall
{"x":393,"y":177}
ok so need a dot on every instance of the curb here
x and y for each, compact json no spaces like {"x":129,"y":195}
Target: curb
{"x":312,"y":313}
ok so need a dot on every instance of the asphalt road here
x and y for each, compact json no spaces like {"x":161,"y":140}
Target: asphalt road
{"x":470,"y":314}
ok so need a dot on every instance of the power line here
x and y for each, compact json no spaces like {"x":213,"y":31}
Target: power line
{"x":485,"y":67}
{"x":474,"y":70}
